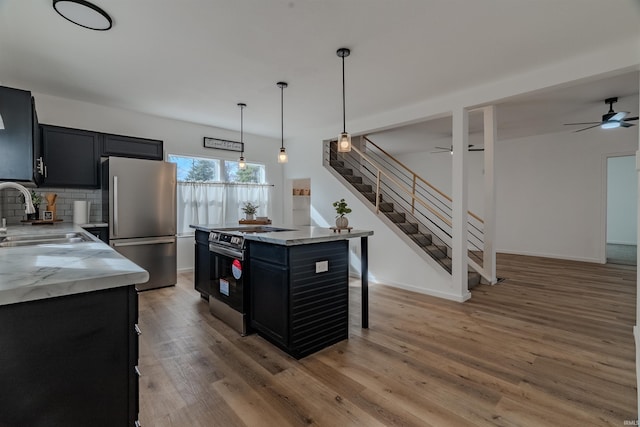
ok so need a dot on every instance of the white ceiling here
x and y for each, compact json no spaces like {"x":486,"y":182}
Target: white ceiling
{"x":194,"y":60}
{"x":532,"y":114}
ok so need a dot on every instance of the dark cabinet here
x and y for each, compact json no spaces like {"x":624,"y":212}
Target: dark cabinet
{"x":70,"y":360}
{"x":270,"y":313}
{"x":19,"y":140}
{"x":202,"y":267}
{"x":71,"y":157}
{"x":101,"y":233}
{"x":128,"y":146}
{"x":295,"y":302}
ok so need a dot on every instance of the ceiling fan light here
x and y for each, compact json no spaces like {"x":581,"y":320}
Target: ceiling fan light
{"x":84,"y":14}
{"x":610,"y":125}
{"x":344,"y":143}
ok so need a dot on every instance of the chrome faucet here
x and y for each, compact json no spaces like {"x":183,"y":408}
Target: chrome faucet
{"x":27,"y":199}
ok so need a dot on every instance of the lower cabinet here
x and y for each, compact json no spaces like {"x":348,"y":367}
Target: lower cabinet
{"x":297,"y":303}
{"x":202,"y":267}
{"x":101,"y":233}
{"x":70,"y":360}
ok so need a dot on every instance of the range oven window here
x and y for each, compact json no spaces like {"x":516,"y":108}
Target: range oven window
{"x":228,"y":281}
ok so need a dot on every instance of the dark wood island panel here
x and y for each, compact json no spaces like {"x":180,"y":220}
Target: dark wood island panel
{"x":295,"y":303}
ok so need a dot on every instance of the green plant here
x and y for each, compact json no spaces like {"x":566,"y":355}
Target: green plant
{"x":341,"y":208}
{"x":249,"y":208}
{"x":36,"y":198}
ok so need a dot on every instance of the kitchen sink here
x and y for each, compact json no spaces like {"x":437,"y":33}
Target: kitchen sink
{"x":42,"y":239}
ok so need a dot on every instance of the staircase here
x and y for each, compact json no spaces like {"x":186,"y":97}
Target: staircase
{"x":392,"y":194}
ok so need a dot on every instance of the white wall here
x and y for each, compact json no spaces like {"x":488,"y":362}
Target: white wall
{"x":622,"y":194}
{"x":550,"y":190}
{"x":179,"y":138}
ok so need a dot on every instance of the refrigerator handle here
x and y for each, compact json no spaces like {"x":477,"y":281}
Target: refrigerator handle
{"x":115,"y":206}
{"x":139,"y":243}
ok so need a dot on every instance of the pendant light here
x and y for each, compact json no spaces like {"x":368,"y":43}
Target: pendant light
{"x":344,"y":140}
{"x":241,"y":163}
{"x":282,"y":155}
{"x":84,"y":14}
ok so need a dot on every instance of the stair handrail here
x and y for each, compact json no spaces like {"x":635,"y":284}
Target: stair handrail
{"x":381,"y":171}
{"x":418,"y":177}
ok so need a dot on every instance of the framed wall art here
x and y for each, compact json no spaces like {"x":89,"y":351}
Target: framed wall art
{"x":223,"y":144}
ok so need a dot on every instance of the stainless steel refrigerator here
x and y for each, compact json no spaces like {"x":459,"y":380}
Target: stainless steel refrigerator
{"x":139,"y":203}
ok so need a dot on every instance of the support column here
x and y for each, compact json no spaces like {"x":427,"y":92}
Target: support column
{"x":459,"y":267}
{"x":489,"y":254}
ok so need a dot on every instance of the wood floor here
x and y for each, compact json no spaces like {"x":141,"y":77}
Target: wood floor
{"x":552,"y":345}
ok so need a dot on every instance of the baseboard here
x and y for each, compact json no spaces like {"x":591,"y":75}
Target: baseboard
{"x":554,"y":256}
{"x":614,"y":242}
{"x":636,"y":335}
{"x":430,"y":292}
{"x":185,"y":270}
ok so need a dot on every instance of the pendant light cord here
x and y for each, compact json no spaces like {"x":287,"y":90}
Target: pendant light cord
{"x":242,"y":128}
{"x":344,"y":113}
{"x":281,"y":117}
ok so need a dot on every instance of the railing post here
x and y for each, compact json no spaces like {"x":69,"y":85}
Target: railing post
{"x":378,"y":192}
{"x":413,"y":193}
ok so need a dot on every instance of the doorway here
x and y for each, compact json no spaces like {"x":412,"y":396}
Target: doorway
{"x":622,"y":210}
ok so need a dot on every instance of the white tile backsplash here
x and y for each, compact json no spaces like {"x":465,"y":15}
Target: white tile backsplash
{"x":13,"y":210}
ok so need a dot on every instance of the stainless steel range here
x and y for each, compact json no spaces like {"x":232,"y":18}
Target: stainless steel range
{"x":229,"y":299}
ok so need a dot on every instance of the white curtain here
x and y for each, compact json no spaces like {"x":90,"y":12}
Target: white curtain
{"x":218,"y":203}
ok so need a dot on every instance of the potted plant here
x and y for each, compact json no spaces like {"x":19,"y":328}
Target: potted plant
{"x":36,"y":199}
{"x":341,"y":209}
{"x":249,"y":210}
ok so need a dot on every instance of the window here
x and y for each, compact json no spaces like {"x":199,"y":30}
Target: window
{"x":213,"y":191}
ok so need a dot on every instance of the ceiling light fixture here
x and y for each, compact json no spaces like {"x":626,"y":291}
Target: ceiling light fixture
{"x":241,"y":163}
{"x":344,"y":141}
{"x":612,"y":124}
{"x":282,"y":155}
{"x":84,"y":14}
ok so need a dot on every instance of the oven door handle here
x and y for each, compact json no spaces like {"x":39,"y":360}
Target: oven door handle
{"x":224,"y":251}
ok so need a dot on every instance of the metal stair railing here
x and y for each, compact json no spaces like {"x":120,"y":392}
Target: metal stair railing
{"x":421,"y":203}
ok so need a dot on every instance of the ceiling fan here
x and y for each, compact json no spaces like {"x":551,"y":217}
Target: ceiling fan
{"x":450,"y":149}
{"x":610,"y":120}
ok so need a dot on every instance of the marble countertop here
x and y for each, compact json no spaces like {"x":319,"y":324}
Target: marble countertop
{"x":43,"y":271}
{"x":293,"y":235}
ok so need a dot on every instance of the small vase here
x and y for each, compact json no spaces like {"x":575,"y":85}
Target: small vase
{"x":249,"y":217}
{"x":35,"y":215}
{"x":342,"y":222}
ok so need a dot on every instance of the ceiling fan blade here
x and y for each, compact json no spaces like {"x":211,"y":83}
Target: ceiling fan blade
{"x":631,"y":118}
{"x":626,"y":125}
{"x":618,"y":116}
{"x":590,"y":127}
{"x":438,"y":152}
{"x":444,"y":148}
{"x":585,"y":123}
{"x":476,"y":149}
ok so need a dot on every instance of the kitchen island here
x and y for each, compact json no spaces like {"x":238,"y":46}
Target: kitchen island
{"x":68,"y":334}
{"x":295,"y":280}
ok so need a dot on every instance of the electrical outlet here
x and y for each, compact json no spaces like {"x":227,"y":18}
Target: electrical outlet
{"x":322,"y":266}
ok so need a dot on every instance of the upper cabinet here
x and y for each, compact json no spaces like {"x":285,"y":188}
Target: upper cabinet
{"x":19,"y":140}
{"x":71,"y":157}
{"x":127,"y":146}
